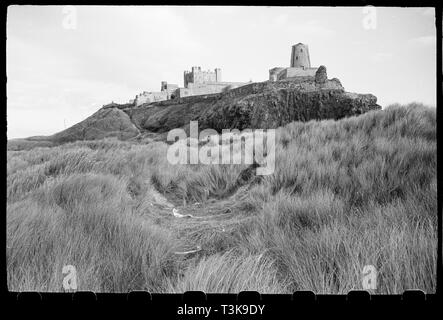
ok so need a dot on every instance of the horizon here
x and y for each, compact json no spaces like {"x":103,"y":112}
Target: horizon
{"x":114,"y":53}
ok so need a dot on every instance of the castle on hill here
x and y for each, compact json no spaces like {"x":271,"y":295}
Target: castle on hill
{"x":198,"y":82}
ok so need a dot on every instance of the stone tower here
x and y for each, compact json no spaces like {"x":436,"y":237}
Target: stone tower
{"x":300,"y":56}
{"x":218,"y":75}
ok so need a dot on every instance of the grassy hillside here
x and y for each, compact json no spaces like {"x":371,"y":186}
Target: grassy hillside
{"x":345,"y":194}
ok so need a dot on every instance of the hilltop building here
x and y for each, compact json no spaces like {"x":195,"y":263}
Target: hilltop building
{"x":300,"y":65}
{"x":166,"y":92}
{"x":196,"y":82}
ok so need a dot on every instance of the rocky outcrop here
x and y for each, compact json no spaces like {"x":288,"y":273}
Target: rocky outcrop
{"x":274,"y":109}
{"x":106,"y":122}
{"x":258,"y":105}
{"x":261,"y":105}
{"x":321,"y":75}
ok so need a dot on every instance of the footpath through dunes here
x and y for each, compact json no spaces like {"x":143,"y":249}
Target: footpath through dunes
{"x":213,"y":224}
{"x":203,"y":228}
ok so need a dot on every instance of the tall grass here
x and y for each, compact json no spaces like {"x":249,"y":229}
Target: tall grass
{"x":84,"y":221}
{"x":344,"y":194}
{"x":230,"y":273}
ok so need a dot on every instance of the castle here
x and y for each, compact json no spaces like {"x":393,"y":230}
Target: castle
{"x":300,"y":65}
{"x":198,"y":82}
{"x":167,"y":91}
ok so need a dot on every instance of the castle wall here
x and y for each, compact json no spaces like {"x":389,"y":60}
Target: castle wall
{"x":296,"y":72}
{"x":273,"y":73}
{"x":218,"y":77}
{"x":169,"y":88}
{"x":207,"y":88}
{"x":188,"y":77}
{"x":204,"y":77}
{"x":197,"y":76}
{"x":196,"y":82}
{"x":148,"y":97}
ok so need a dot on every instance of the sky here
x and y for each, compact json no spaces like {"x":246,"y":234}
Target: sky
{"x":64,"y":62}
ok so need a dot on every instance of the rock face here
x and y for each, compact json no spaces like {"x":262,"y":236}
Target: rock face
{"x":106,"y":122}
{"x":321,"y":75}
{"x":258,"y":105}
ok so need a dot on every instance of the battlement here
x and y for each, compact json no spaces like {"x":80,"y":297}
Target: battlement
{"x":196,"y":82}
{"x":197,"y":76}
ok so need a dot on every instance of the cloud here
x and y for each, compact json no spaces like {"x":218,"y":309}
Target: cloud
{"x":423,"y":41}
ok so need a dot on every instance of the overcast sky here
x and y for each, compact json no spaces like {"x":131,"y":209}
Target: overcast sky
{"x":63,"y":66}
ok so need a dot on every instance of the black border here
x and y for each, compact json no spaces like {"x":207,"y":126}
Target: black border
{"x":277,"y":306}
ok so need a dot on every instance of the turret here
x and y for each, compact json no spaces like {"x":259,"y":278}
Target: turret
{"x":218,"y":75}
{"x":300,"y":56}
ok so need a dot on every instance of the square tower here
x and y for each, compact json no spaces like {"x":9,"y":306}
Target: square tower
{"x":218,"y":75}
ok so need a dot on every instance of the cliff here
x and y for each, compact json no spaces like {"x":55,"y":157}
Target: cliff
{"x":258,"y":105}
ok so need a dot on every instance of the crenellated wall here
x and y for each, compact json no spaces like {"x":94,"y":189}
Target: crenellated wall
{"x":194,"y":89}
{"x":197,"y":76}
{"x":296,"y":72}
{"x":273,"y":73}
{"x":149,"y":97}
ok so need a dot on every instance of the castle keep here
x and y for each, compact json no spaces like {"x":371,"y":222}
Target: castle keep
{"x":196,"y":76}
{"x":300,"y":65}
{"x":198,"y":82}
